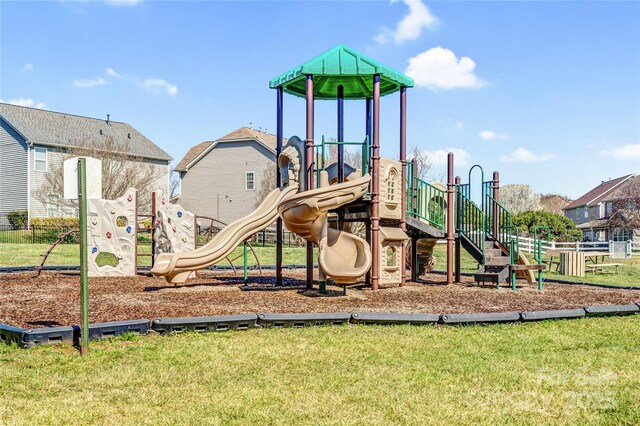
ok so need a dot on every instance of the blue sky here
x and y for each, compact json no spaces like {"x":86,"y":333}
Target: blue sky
{"x":548,"y":93}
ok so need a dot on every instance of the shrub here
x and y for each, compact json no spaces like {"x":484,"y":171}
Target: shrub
{"x":55,"y":222}
{"x":561,"y":227}
{"x":18,"y":218}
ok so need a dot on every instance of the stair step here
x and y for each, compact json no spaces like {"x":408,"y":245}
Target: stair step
{"x":493,"y":252}
{"x":489,"y":245}
{"x":502,"y":260}
{"x":492,"y":276}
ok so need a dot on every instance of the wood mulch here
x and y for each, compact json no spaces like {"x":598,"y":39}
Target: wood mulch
{"x":53,"y":298}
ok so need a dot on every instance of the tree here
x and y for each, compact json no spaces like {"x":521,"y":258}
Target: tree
{"x":553,"y":203}
{"x":174,"y":184}
{"x":120,"y":171}
{"x":518,"y":198}
{"x":424,"y":166}
{"x":561,"y":227}
{"x":267,"y":184}
{"x":624,"y":210}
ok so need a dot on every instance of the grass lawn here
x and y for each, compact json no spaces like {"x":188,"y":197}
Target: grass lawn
{"x":68,"y":254}
{"x":559,"y":372}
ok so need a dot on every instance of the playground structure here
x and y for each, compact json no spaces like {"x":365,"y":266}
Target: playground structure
{"x":174,"y":227}
{"x":404,"y":207}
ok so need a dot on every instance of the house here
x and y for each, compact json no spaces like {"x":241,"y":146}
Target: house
{"x":222,"y":179}
{"x":34,"y":142}
{"x":592,"y":211}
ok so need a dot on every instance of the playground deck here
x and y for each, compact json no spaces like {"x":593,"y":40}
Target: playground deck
{"x":52,"y":298}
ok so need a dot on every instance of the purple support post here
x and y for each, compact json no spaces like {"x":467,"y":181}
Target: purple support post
{"x":496,"y":196}
{"x":340,"y":133}
{"x":403,"y":161}
{"x":458,"y":242}
{"x":279,"y":135}
{"x":368,"y":159}
{"x":450,"y":215}
{"x":375,"y":190}
{"x":308,"y":163}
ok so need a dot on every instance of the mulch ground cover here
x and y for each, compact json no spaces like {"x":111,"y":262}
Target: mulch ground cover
{"x":53,"y":298}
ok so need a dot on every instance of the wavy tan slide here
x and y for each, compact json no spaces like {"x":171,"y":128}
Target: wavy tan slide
{"x":342,"y":256}
{"x":176,"y":267}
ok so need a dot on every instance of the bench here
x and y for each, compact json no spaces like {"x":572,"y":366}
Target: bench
{"x":600,"y":267}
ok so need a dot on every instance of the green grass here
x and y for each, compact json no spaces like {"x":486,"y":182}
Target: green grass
{"x":68,"y":254}
{"x":560,"y":372}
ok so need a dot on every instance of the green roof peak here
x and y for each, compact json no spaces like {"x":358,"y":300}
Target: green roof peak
{"x":341,"y":66}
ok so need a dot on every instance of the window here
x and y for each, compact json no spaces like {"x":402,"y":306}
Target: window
{"x":249,"y":181}
{"x":621,"y":234}
{"x":391,"y":181}
{"x":391,"y":257}
{"x":586,"y":213}
{"x":40,"y":159}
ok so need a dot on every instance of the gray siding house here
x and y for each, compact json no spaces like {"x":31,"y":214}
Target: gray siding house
{"x":592,"y":210}
{"x":221,"y":179}
{"x":33,"y":141}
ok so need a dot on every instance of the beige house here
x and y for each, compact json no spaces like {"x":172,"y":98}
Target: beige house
{"x":221,"y":179}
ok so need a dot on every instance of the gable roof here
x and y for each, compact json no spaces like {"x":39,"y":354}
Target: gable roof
{"x":619,"y":193}
{"x":341,"y":66}
{"x":597,"y":194}
{"x":57,"y":129}
{"x":197,"y":152}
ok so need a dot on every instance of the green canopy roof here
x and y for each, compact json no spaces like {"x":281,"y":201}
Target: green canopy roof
{"x":341,"y":66}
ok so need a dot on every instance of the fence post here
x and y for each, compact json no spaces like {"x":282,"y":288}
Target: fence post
{"x":629,"y":248}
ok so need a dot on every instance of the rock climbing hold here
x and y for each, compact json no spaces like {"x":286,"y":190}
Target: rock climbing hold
{"x":179,"y":214}
{"x":94,"y":220}
{"x":129,"y":229}
{"x":108,"y":234}
{"x":130,"y":198}
{"x":174,"y":228}
{"x":184,"y":239}
{"x":164,"y":200}
{"x":94,"y":249}
{"x":158,"y":222}
{"x":113,"y":211}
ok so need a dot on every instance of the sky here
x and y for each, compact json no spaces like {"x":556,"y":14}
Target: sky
{"x":547,"y":93}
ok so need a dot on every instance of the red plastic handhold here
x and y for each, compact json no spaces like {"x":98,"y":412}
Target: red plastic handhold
{"x":174,"y":228}
{"x":158,"y":222}
{"x":164,"y":201}
{"x":108,"y":234}
{"x":130,"y":198}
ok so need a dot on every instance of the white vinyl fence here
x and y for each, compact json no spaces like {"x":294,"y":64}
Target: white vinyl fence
{"x":616,"y":249}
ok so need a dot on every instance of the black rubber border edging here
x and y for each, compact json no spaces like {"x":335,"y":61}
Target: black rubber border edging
{"x":204,"y":324}
{"x":70,"y":334}
{"x":393,"y":318}
{"x":303,"y":319}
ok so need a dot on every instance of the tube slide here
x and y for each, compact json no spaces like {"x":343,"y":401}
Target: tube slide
{"x":176,"y":267}
{"x":342,"y":256}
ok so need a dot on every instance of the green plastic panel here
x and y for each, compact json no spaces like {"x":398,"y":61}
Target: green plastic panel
{"x":341,"y":66}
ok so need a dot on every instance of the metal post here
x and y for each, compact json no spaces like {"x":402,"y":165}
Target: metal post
{"x":340,"y":133}
{"x":84,"y":278}
{"x":414,"y":259}
{"x":153,"y":228}
{"x":449,"y":233}
{"x":309,"y":168}
{"x":496,"y":196}
{"x":403,"y":161}
{"x":245,"y":258}
{"x":512,"y":251}
{"x":279,"y":136}
{"x":540,"y":263}
{"x":368,"y":153}
{"x":375,"y":190}
{"x":458,"y":243}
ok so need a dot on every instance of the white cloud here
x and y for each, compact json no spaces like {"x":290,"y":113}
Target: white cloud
{"x":27,"y":67}
{"x":85,"y":84}
{"x":155,"y":85}
{"x":526,"y":156}
{"x":439,"y":68}
{"x":491,"y":135}
{"x":440,"y":157}
{"x":26,"y":102}
{"x":112,"y":73}
{"x":622,"y":152}
{"x":411,"y":26}
{"x":459,"y":124}
{"x":123,"y":2}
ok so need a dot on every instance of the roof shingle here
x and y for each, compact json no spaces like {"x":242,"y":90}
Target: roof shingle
{"x":597,"y":194}
{"x":57,"y":129}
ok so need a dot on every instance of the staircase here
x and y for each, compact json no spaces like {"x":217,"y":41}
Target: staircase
{"x":496,"y":265}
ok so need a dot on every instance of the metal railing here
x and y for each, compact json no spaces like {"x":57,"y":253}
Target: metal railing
{"x":471,"y":223}
{"x":498,"y":221}
{"x":321,"y":154}
{"x":425,"y":201}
